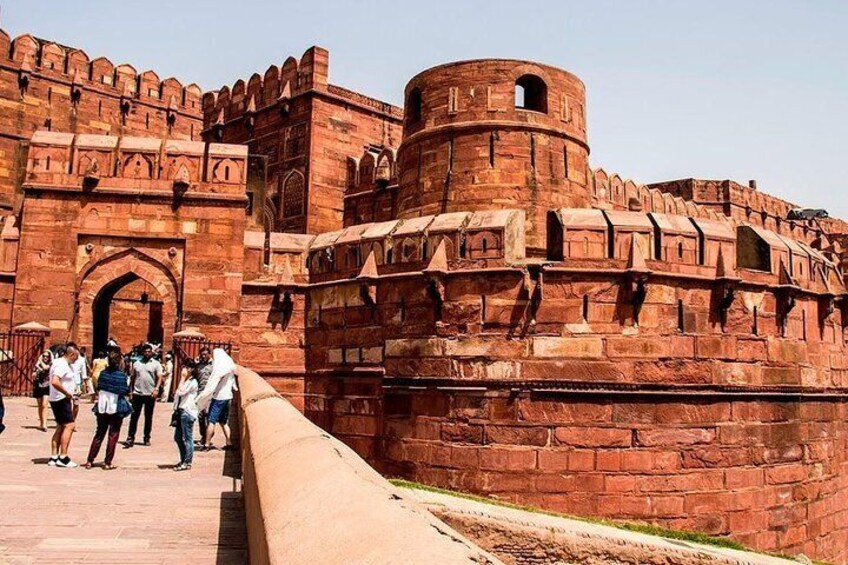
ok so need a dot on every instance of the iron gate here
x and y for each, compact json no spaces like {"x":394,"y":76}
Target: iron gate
{"x":189,"y":348}
{"x":19,"y":352}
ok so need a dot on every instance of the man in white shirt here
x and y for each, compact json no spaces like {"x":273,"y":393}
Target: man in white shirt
{"x":80,"y":378}
{"x":219,"y":410}
{"x":62,"y":397}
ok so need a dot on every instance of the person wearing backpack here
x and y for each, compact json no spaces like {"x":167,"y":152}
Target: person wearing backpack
{"x":111,"y":408}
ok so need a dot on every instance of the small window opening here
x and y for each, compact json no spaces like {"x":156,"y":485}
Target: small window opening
{"x":483,"y":308}
{"x":147,"y":121}
{"x":413,"y":105}
{"x":492,"y":149}
{"x":389,"y":256}
{"x":424,"y":250}
{"x":680,"y":316}
{"x":531,"y":93}
{"x":565,"y":160}
{"x":227,"y":172}
{"x":532,"y":151}
{"x":755,"y":329}
{"x":100,"y":109}
{"x":462,"y":248}
{"x":585,"y":307}
{"x":48,"y":162}
{"x":804,"y":324}
{"x":680,"y":250}
{"x":485,"y":245}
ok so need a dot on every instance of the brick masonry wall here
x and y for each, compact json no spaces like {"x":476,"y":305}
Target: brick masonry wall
{"x":306,"y":129}
{"x":473,"y":149}
{"x":190,"y":248}
{"x":737,"y":432}
{"x":46,"y":86}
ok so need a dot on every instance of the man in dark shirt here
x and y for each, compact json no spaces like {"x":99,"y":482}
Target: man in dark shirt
{"x":204,"y":370}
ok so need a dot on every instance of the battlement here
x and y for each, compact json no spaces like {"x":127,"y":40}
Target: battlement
{"x":74,"y":69}
{"x":276,"y":87}
{"x":97,"y":162}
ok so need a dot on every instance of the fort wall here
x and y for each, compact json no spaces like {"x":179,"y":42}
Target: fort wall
{"x":52,"y":87}
{"x":304,"y":130}
{"x":450,"y":289}
{"x":170,"y":212}
{"x":713,"y":403}
{"x":471,"y":143}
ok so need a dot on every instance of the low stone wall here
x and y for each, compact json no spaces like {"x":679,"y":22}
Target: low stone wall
{"x":310,"y":499}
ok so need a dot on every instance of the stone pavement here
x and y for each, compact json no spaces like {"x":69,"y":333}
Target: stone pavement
{"x":142,"y":512}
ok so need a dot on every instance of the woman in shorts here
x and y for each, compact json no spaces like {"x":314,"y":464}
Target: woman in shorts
{"x":41,"y":387}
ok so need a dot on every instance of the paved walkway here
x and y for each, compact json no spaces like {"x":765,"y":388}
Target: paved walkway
{"x":142,"y":512}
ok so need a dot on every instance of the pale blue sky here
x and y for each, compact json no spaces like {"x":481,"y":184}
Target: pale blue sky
{"x":718,"y":89}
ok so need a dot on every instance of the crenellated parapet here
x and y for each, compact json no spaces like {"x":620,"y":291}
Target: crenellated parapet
{"x":47,"y":86}
{"x":275,"y":89}
{"x":75,"y":74}
{"x":94,"y":163}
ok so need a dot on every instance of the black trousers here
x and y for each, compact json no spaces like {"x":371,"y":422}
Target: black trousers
{"x":139,"y":402}
{"x":203,"y":423}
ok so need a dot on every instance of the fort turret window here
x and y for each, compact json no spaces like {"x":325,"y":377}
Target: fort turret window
{"x":413,"y":106}
{"x":531,"y":93}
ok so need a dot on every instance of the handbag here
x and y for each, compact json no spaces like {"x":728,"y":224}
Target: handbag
{"x":124,"y":407}
{"x":176,"y":417}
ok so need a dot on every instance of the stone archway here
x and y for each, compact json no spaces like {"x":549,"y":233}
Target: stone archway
{"x":100,"y":281}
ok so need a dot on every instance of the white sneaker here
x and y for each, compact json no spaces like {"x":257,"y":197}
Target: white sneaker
{"x":66,"y":464}
{"x":52,"y":461}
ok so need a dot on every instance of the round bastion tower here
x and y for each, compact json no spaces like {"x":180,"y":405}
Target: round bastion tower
{"x":494,"y":133}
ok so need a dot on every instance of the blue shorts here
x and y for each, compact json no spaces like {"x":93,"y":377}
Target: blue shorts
{"x":219,"y":411}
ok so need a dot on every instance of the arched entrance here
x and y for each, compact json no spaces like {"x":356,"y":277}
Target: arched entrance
{"x":129,"y":309}
{"x":129,"y":295}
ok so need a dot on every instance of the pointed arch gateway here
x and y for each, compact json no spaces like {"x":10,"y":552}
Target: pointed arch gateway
{"x":98,"y":284}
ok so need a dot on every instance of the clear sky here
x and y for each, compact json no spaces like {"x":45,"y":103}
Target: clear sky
{"x":719,"y":89}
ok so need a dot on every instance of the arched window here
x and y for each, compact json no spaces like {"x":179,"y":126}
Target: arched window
{"x":531,"y":93}
{"x":413,"y":106}
{"x":294,"y":195}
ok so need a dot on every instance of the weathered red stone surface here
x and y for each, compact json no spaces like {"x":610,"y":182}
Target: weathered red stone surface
{"x":454,"y":292}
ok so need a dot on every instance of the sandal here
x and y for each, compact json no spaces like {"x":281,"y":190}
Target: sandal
{"x":88,"y":464}
{"x":109,"y":467}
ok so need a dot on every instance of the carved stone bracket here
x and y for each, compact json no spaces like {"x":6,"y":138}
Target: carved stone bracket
{"x":534,"y":289}
{"x":23,"y":77}
{"x":726,"y":291}
{"x":636,"y":278}
{"x":436,"y":292}
{"x":91,"y":175}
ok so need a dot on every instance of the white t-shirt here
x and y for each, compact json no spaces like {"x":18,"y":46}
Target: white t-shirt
{"x":62,"y":369}
{"x":224,"y":390}
{"x":80,"y":370}
{"x":186,"y":397}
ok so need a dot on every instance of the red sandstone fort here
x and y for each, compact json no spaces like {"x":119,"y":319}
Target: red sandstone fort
{"x":450,"y":287}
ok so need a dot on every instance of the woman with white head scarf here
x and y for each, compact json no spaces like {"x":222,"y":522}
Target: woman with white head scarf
{"x":218,"y":395}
